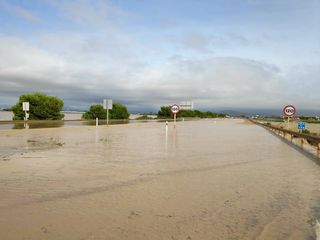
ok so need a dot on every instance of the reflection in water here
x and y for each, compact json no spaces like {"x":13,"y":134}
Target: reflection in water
{"x":96,"y":135}
{"x":167,"y":126}
{"x":57,"y":124}
{"x":47,"y":124}
{"x":62,"y":123}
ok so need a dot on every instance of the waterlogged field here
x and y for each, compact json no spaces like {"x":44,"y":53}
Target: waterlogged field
{"x":225,"y":179}
{"x":293,"y":125}
{"x":312,"y":127}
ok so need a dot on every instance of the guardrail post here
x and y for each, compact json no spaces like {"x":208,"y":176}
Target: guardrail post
{"x":301,"y":142}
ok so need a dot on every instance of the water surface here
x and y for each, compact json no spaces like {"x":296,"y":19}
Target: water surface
{"x":222,"y":179}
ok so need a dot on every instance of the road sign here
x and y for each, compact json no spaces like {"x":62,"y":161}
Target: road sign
{"x":25,"y":106}
{"x":301,"y":125}
{"x":175,"y":109}
{"x":107,"y":104}
{"x":289,"y":110}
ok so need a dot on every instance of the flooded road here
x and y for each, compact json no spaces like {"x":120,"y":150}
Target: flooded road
{"x":224,"y":179}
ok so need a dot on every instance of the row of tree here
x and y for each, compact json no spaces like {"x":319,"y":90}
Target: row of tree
{"x":44,"y":107}
{"x":165,"y":112}
{"x":119,"y":111}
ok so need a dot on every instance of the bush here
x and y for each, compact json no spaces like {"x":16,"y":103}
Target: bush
{"x":119,"y":111}
{"x":305,"y":131}
{"x":42,"y":107}
{"x":165,"y":112}
{"x":95,"y":111}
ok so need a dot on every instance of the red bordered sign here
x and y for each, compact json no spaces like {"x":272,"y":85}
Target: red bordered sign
{"x":174,"y":108}
{"x":289,"y":111}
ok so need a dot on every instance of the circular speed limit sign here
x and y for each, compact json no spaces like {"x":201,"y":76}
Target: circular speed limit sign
{"x":289,"y":111}
{"x":174,"y":108}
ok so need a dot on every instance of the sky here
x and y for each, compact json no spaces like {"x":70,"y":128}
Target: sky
{"x":221,"y":54}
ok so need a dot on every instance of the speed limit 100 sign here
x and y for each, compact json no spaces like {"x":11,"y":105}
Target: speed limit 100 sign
{"x":289,"y":111}
{"x":174,"y":108}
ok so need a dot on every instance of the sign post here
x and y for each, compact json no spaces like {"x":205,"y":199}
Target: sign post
{"x":174,"y":110}
{"x":289,"y":111}
{"x":107,"y":104}
{"x":26,"y":108}
{"x":302,"y":126}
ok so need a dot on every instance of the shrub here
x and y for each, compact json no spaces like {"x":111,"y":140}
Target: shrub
{"x":119,"y":111}
{"x":95,"y":111}
{"x":305,"y":131}
{"x":42,"y":107}
{"x":165,"y":112}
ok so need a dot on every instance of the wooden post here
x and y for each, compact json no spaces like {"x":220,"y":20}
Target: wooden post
{"x":318,"y":151}
{"x":301,"y":142}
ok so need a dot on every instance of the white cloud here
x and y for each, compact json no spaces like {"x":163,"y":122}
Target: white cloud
{"x":95,"y":56}
{"x":211,"y":83}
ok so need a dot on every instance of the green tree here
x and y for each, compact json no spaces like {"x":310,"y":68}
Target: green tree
{"x":42,"y":107}
{"x":119,"y":111}
{"x":164,"y":112}
{"x":95,"y":111}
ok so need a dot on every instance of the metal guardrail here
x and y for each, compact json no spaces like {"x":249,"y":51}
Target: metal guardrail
{"x":304,"y":138}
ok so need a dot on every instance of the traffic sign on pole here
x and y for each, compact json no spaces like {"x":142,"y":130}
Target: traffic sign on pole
{"x":289,"y":111}
{"x":107,"y":104}
{"x":174,"y":110}
{"x":301,"y":125}
{"x":25,"y":106}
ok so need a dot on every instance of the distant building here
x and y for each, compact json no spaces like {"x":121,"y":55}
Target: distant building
{"x":186,"y":105}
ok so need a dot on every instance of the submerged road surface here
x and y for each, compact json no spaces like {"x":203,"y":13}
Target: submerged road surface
{"x":224,"y":179}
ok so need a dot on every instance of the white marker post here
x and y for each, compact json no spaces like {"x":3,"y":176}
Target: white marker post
{"x":107,"y":104}
{"x":174,"y":110}
{"x":97,"y":122}
{"x":289,"y":111}
{"x":167,"y":127}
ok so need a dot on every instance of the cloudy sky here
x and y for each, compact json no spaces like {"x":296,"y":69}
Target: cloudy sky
{"x":222,"y":54}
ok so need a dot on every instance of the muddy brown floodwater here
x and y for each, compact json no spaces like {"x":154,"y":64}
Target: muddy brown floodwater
{"x":223,"y":179}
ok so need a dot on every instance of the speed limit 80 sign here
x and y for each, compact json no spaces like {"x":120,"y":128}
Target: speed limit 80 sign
{"x":289,"y":110}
